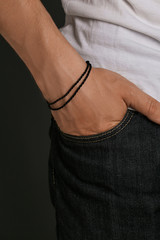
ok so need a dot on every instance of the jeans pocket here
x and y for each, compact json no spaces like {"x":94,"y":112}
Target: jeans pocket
{"x":108,"y":189}
{"x":119,"y":128}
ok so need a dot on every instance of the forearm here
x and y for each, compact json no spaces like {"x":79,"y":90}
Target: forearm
{"x":30,"y":30}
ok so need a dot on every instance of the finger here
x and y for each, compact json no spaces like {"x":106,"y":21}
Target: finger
{"x":142,"y":102}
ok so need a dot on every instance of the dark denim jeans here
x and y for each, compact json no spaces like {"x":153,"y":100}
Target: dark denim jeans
{"x":107,"y":186}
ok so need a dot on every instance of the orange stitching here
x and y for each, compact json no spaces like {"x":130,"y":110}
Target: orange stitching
{"x":104,"y":133}
{"x":100,"y":134}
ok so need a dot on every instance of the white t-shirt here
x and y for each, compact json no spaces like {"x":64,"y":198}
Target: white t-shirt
{"x":120,"y":35}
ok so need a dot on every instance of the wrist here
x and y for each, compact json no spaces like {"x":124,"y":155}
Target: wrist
{"x":59,"y":72}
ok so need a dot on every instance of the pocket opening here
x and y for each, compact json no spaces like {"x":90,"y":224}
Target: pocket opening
{"x":102,"y":135}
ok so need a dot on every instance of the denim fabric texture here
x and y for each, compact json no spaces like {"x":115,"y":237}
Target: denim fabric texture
{"x":107,"y":186}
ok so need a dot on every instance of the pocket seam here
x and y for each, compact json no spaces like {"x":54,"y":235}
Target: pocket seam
{"x":76,"y":140}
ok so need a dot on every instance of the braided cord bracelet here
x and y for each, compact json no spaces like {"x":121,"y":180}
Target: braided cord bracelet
{"x":88,"y":66}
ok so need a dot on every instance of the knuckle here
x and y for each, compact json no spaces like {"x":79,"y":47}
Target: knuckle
{"x":151,"y":107}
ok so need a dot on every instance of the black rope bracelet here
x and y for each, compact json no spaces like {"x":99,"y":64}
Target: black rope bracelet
{"x":71,"y":86}
{"x":88,"y":66}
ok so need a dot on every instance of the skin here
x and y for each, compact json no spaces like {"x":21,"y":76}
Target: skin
{"x":55,"y":65}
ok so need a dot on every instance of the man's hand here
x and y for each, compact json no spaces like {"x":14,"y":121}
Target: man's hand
{"x":101,"y":104}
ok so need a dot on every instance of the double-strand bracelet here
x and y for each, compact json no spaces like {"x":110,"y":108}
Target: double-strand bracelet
{"x":89,"y":66}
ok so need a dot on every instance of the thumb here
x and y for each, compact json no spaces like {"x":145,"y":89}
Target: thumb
{"x":142,"y":102}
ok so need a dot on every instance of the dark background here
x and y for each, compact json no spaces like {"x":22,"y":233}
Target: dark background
{"x":26,"y":211}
